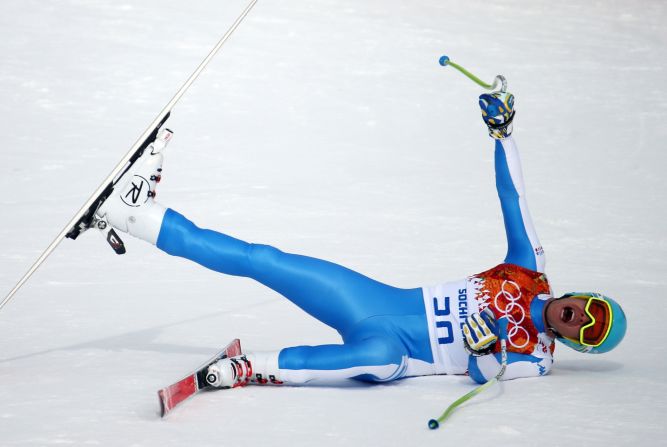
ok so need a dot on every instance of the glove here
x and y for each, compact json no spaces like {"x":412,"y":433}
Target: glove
{"x":498,"y":113}
{"x":479,"y":333}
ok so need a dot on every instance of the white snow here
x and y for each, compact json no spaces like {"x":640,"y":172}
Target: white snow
{"x":326,"y":128}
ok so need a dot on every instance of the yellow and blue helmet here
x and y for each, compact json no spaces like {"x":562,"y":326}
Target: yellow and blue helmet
{"x":605,"y":330}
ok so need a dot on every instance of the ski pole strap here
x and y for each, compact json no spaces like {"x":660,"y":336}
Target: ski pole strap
{"x":502,"y":325}
{"x":498,"y":81}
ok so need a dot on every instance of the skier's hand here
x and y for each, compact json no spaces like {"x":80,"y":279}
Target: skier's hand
{"x":479,"y":333}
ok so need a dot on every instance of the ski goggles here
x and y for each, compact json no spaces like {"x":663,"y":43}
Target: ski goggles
{"x":597,"y":330}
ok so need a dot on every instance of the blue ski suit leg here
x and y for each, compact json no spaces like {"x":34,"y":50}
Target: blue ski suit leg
{"x":381,"y":326}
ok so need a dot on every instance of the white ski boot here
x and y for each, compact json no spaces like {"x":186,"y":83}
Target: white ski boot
{"x":229,"y":372}
{"x":259,"y":368}
{"x":131,"y":207}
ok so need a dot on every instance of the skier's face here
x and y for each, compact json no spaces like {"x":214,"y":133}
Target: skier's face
{"x":566,"y":316}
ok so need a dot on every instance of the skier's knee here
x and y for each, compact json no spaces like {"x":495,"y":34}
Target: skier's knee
{"x":262,"y":255}
{"x":383,"y":351}
{"x":386,"y":360}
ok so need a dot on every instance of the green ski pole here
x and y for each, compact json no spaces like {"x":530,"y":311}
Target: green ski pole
{"x":498,"y":81}
{"x":435,"y":423}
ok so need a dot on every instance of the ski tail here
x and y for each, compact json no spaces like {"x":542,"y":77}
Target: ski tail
{"x":187,"y":387}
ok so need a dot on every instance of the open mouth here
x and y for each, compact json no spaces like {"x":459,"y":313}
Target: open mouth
{"x":567,"y":315}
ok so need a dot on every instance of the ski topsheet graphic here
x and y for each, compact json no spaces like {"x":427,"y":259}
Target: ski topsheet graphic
{"x":194,"y":382}
{"x":85,"y":216}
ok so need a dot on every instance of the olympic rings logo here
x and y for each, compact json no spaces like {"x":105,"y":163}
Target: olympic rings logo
{"x":510,"y":299}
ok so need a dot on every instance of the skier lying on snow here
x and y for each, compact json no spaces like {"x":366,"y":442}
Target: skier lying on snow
{"x":390,"y":333}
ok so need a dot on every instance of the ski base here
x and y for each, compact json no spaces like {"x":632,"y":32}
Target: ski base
{"x":174,"y":394}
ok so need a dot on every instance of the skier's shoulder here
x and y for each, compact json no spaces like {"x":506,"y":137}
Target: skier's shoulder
{"x":510,"y":280}
{"x":507,"y":270}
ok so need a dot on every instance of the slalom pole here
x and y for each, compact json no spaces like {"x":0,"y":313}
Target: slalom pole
{"x":498,"y":81}
{"x":433,"y":424}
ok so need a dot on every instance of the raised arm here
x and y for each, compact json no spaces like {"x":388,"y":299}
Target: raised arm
{"x":523,"y":246}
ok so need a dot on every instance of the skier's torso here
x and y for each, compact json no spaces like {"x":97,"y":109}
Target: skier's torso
{"x":519,"y":294}
{"x":509,"y":291}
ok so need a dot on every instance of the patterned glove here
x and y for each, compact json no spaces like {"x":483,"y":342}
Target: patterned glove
{"x":498,"y":113}
{"x":479,"y":333}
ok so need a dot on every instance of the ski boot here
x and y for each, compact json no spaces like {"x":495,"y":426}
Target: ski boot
{"x":498,"y":113}
{"x":131,"y":207}
{"x":229,"y":372}
{"x":259,"y":368}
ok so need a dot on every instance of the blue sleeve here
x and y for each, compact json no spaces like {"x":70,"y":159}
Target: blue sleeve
{"x":523,"y":247}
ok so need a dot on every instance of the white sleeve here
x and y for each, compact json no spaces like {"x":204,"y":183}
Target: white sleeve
{"x":482,"y":369}
{"x":524,"y":247}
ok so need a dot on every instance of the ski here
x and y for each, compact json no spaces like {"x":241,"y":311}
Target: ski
{"x":190,"y":385}
{"x":85,"y":217}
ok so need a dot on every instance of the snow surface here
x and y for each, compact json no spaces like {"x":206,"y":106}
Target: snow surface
{"x":326,"y":128}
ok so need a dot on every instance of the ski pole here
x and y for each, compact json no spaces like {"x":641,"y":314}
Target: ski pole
{"x":502,"y":326}
{"x":499,"y":79}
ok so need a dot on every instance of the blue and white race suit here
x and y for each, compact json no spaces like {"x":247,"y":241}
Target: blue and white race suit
{"x":388,"y":332}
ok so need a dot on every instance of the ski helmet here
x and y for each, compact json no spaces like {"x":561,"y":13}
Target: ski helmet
{"x":597,"y":338}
